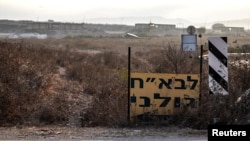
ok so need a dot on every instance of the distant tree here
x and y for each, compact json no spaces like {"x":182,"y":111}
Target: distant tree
{"x":218,"y":26}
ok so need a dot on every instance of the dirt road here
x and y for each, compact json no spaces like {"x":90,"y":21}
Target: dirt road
{"x":102,"y":133}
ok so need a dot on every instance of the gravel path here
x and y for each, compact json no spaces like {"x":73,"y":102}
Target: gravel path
{"x":101,"y":133}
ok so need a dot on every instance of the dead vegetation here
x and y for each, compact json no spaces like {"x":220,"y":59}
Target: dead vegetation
{"x":60,"y":82}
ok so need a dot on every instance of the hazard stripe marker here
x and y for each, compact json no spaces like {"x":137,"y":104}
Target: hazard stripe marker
{"x":217,"y":60}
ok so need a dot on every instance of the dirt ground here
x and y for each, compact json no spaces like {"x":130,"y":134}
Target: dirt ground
{"x":93,"y":133}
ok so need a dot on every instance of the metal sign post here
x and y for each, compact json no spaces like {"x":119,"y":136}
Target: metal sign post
{"x":189,"y":41}
{"x":129,"y":80}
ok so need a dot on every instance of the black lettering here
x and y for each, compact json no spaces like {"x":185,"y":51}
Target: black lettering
{"x":164,"y":102}
{"x":195,"y":82}
{"x":182,"y":84}
{"x":133,"y":82}
{"x":150,"y":80}
{"x":146,"y":101}
{"x":133,"y":99}
{"x":163,"y":82}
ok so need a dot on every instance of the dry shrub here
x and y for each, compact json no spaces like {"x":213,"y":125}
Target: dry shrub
{"x":109,"y":107}
{"x":18,"y":87}
{"x":47,"y":85}
{"x":239,"y":78}
{"x":42,"y":85}
{"x":29,"y":94}
{"x":172,"y":59}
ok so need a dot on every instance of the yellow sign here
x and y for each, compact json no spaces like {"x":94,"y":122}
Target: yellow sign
{"x":162,"y":94}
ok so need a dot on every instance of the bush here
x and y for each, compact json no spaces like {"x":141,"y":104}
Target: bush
{"x":47,"y":85}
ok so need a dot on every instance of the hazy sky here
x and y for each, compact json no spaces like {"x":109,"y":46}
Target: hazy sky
{"x":82,"y":10}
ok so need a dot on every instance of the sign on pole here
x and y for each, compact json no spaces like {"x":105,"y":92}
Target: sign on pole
{"x":189,"y":41}
{"x":218,"y":69}
{"x":162,"y":94}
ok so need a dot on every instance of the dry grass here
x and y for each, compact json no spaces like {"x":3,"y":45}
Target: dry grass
{"x":83,"y":82}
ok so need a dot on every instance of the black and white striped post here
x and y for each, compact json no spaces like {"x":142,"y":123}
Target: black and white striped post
{"x":218,"y":69}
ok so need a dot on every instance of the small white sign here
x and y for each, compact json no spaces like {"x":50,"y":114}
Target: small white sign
{"x":189,"y":42}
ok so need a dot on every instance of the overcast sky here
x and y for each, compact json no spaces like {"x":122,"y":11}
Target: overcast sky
{"x":82,"y":10}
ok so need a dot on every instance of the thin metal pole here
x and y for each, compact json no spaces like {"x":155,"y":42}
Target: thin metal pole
{"x":201,"y":62}
{"x":129,"y":67}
